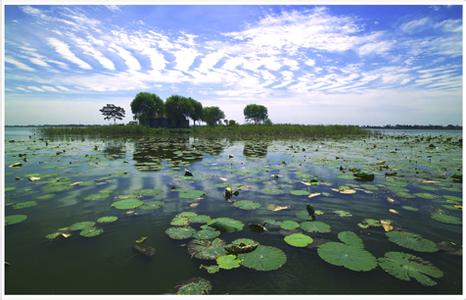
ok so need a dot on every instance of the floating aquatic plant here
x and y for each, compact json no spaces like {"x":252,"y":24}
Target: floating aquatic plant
{"x":411,"y":241}
{"x":315,"y":226}
{"x":298,"y":240}
{"x":15,"y":219}
{"x":127,"y":204}
{"x":180,"y":233}
{"x":263,"y":258}
{"x":246,"y":204}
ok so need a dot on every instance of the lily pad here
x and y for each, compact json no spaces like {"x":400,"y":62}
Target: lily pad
{"x":200,"y":219}
{"x":315,"y":226}
{"x":197,"y":286}
{"x":247,"y":204}
{"x":298,"y":240}
{"x":228,"y":262}
{"x":342,"y":213}
{"x":179,"y":221}
{"x":405,"y":266}
{"x":299,"y":192}
{"x":180,"y":233}
{"x":366,"y":223}
{"x":442,"y":217}
{"x":212,"y":269}
{"x":289,"y":225}
{"x":25,"y":204}
{"x":411,"y":241}
{"x":91,"y":232}
{"x":206,"y":234}
{"x":226,"y":224}
{"x":14,"y":219}
{"x":127,"y":204}
{"x":205,"y":249}
{"x":241,"y":246}
{"x":191,"y":194}
{"x":82,"y":225}
{"x":264,"y":258}
{"x":107,"y":219}
{"x":349,"y":254}
{"x":151,"y":205}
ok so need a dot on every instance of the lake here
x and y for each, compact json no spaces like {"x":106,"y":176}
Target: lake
{"x":412,"y":207}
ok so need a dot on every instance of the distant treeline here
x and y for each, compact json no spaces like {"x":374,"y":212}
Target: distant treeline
{"x":398,"y":126}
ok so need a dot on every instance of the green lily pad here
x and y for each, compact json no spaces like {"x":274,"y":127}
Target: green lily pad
{"x":53,"y":236}
{"x":107,"y":219}
{"x":298,"y":240}
{"x":91,"y":232}
{"x":241,"y":245}
{"x":25,"y":204}
{"x":228,"y":262}
{"x":127,"y":204}
{"x":349,"y":254}
{"x":299,"y":192}
{"x":425,"y":195}
{"x":343,"y":213}
{"x":409,"y":208}
{"x":405,"y":266}
{"x":82,"y":225}
{"x":247,"y":204}
{"x":180,"y":233}
{"x":197,"y":286}
{"x":264,"y":258}
{"x":442,"y":217}
{"x":289,"y":225}
{"x":226,"y":224}
{"x":366,"y":223}
{"x":315,"y":226}
{"x":200,"y":219}
{"x":151,"y":205}
{"x":212,"y":269}
{"x":14,"y":219}
{"x":191,"y":194}
{"x":179,"y":221}
{"x":411,"y":241}
{"x":206,"y":234}
{"x":205,"y":249}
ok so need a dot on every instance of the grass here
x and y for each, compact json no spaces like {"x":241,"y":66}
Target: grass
{"x":240,"y":131}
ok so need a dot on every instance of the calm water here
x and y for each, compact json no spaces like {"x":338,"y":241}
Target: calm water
{"x":81,"y":178}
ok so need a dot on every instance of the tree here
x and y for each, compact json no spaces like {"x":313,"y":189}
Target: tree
{"x":178,"y":109}
{"x":146,"y":107}
{"x":256,"y":113}
{"x":212,"y":115}
{"x":196,"y":110}
{"x":111,"y":111}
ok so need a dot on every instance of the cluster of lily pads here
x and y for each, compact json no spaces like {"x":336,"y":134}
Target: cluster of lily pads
{"x":86,"y":229}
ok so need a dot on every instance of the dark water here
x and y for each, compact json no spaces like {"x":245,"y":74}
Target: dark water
{"x":106,"y":264}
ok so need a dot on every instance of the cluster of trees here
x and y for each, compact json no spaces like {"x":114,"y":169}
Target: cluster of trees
{"x":150,"y":110}
{"x":148,"y":107}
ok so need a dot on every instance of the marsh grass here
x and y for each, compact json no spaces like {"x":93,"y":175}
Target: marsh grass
{"x":273,"y":131}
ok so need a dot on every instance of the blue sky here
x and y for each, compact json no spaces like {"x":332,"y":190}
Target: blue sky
{"x":308,"y":64}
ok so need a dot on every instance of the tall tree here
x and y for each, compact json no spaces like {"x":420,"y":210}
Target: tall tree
{"x":256,"y":113}
{"x":111,"y":111}
{"x":147,"y":107}
{"x":196,"y":110}
{"x":212,"y":115}
{"x":178,"y":109}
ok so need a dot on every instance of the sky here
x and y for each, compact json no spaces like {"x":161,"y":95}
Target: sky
{"x":342,"y":64}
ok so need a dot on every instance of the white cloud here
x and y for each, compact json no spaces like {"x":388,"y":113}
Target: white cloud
{"x":375,"y":48}
{"x":185,"y":58}
{"x":18,"y":64}
{"x":88,"y":49}
{"x":416,"y":25}
{"x":131,"y":62}
{"x":63,"y":49}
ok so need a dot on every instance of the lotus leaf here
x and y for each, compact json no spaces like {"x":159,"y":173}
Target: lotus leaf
{"x":299,"y":192}
{"x":127,"y":204}
{"x":180,"y":233}
{"x":351,"y":239}
{"x":151,"y":205}
{"x":91,"y":232}
{"x":212,"y":269}
{"x":179,"y":221}
{"x":199,"y":219}
{"x":228,"y":262}
{"x":289,"y":225}
{"x":226,"y":224}
{"x":186,"y":214}
{"x":107,"y":219}
{"x":298,"y":240}
{"x":246,"y":204}
{"x":25,"y":204}
{"x":206,"y":234}
{"x":197,"y":286}
{"x":425,"y":195}
{"x":350,"y":256}
{"x":241,"y":246}
{"x":411,"y":241}
{"x":366,"y":223}
{"x":53,"y":236}
{"x":442,"y":217}
{"x":190,"y":194}
{"x":405,"y":266}
{"x":81,"y":225}
{"x":315,"y":226}
{"x":409,"y":208}
{"x":205,"y":249}
{"x":264,"y":258}
{"x":343,"y":213}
